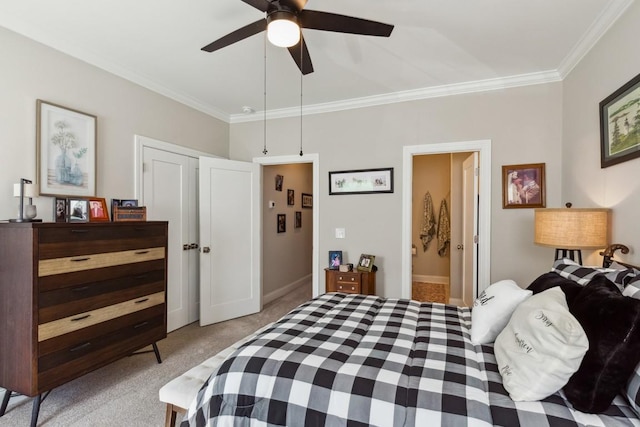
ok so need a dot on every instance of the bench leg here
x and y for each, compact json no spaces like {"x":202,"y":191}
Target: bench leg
{"x":172,"y":414}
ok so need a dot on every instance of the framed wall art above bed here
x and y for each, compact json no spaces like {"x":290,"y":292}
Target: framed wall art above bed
{"x":620,"y":124}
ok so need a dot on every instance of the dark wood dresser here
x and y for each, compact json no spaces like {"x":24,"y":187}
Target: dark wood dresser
{"x":351,"y":282}
{"x":75,"y":297}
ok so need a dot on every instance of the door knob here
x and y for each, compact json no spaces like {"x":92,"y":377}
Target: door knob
{"x":185,"y":247}
{"x":193,"y":246}
{"x":206,"y":249}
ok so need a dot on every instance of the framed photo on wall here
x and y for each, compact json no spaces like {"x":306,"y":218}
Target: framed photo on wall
{"x":290,"y":197}
{"x":620,"y":124}
{"x":365,"y":181}
{"x":523,"y":186}
{"x":282,"y":223}
{"x":66,"y":151}
{"x":298,"y":222}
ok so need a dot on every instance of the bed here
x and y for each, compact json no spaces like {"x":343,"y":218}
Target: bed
{"x":357,"y":360}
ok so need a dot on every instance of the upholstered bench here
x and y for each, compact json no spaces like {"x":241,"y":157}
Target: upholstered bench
{"x":181,"y":391}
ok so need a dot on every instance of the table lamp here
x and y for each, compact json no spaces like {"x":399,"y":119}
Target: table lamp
{"x":26,"y":213}
{"x":570,"y":230}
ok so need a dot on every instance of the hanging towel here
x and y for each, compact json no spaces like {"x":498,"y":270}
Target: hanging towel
{"x":444,"y":230}
{"x":428,"y":230}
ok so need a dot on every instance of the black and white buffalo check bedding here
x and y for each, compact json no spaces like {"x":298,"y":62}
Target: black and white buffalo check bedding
{"x":356,"y":360}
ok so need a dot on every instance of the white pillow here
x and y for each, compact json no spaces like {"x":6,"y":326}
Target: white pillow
{"x":541,"y":347}
{"x":493,"y":308}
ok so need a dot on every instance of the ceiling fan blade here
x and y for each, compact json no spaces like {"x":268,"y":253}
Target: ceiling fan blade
{"x":237,"y":35}
{"x":306,"y":67}
{"x":326,"y":21}
{"x":261,"y":5}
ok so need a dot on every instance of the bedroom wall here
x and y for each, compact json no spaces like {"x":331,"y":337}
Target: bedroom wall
{"x":32,"y":71}
{"x":609,"y":65}
{"x":286,"y":257}
{"x":524,"y":124}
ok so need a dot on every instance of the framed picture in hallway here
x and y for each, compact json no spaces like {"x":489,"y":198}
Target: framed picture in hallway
{"x":523,"y":186}
{"x":282,"y":223}
{"x":298,"y":221}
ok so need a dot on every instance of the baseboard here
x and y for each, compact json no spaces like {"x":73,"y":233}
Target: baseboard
{"x":431,"y":279}
{"x":456,"y":301}
{"x":274,"y":295}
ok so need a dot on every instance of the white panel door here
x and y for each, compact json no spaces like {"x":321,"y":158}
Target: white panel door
{"x":166,"y":196}
{"x":230,"y":239}
{"x":470,"y":229}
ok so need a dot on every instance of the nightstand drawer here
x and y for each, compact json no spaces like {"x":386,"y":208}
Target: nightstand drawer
{"x":348,"y":278}
{"x":350,"y":288}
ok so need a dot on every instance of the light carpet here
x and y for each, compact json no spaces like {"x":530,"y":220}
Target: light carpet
{"x":125,"y":393}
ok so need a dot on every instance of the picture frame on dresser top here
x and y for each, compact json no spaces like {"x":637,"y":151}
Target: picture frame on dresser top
{"x":523,"y":186}
{"x":620,"y":124}
{"x":60,"y":210}
{"x":364,"y":181}
{"x":66,"y":142}
{"x":98,"y":210}
{"x":366,"y":262}
{"x":78,"y":210}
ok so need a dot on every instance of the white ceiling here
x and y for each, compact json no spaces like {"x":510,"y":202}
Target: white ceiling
{"x":438,"y":47}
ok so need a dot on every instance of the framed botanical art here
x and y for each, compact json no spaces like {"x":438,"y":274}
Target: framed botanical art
{"x":66,"y":151}
{"x":620,"y":124}
{"x":523,"y":186}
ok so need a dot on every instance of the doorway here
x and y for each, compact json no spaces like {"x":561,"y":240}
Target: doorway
{"x":313,"y":159}
{"x":481,"y":245}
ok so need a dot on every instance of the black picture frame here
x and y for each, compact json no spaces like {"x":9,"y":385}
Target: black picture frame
{"x":620,"y":124}
{"x":335,"y":259}
{"x":60,"y":210}
{"x":290,"y":197}
{"x":282,"y":223}
{"x":298,"y":221}
{"x":307,"y":201}
{"x":279,"y":182}
{"x":363,"y":181}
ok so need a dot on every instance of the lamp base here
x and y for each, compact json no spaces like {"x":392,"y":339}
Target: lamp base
{"x":569,"y":253}
{"x":25,"y":220}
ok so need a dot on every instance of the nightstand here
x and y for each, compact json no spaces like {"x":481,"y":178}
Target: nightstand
{"x":352,"y":282}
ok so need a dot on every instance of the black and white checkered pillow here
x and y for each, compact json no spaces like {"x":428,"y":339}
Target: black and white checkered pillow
{"x":582,"y":275}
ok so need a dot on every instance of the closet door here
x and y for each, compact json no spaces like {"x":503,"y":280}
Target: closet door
{"x":169,"y":194}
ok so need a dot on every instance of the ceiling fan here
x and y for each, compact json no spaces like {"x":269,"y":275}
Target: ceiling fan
{"x":284,"y":22}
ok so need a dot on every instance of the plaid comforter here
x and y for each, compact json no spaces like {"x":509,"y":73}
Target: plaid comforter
{"x":360,"y":360}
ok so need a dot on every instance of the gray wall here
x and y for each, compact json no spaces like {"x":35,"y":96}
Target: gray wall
{"x":609,"y":65}
{"x":524,"y":124}
{"x":33,"y":71}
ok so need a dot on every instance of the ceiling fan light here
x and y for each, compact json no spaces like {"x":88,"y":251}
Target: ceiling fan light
{"x":283,"y":32}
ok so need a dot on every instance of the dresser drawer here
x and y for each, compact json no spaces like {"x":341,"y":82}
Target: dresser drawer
{"x":48,"y":267}
{"x":82,"y":320}
{"x":60,"y":303}
{"x":349,"y":288}
{"x":69,"y":362}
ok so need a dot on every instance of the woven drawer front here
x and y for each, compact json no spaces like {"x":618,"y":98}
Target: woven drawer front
{"x":48,"y":267}
{"x":82,"y":320}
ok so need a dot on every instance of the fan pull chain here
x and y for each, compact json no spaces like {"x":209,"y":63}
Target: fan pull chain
{"x":264,"y":110}
{"x":301,"y":76}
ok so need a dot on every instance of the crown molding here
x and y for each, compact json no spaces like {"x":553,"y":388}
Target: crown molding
{"x":405,"y":96}
{"x":600,"y":26}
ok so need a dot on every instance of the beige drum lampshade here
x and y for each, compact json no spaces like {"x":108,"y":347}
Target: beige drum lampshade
{"x":572,"y":228}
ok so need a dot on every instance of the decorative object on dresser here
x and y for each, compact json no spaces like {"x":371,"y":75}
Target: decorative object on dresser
{"x":620,"y":124}
{"x":75,"y":297}
{"x":523,"y":186}
{"x":335,"y":259}
{"x":363,"y":181}
{"x":366,"y":262}
{"x":66,"y":146}
{"x":26,"y":213}
{"x":569,"y":230}
{"x":353,"y":282}
{"x":98,"y":210}
{"x":133,"y":213}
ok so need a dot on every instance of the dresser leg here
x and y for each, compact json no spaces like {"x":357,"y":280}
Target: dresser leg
{"x":157,"y":352}
{"x":36,"y":410}
{"x":5,"y":402}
